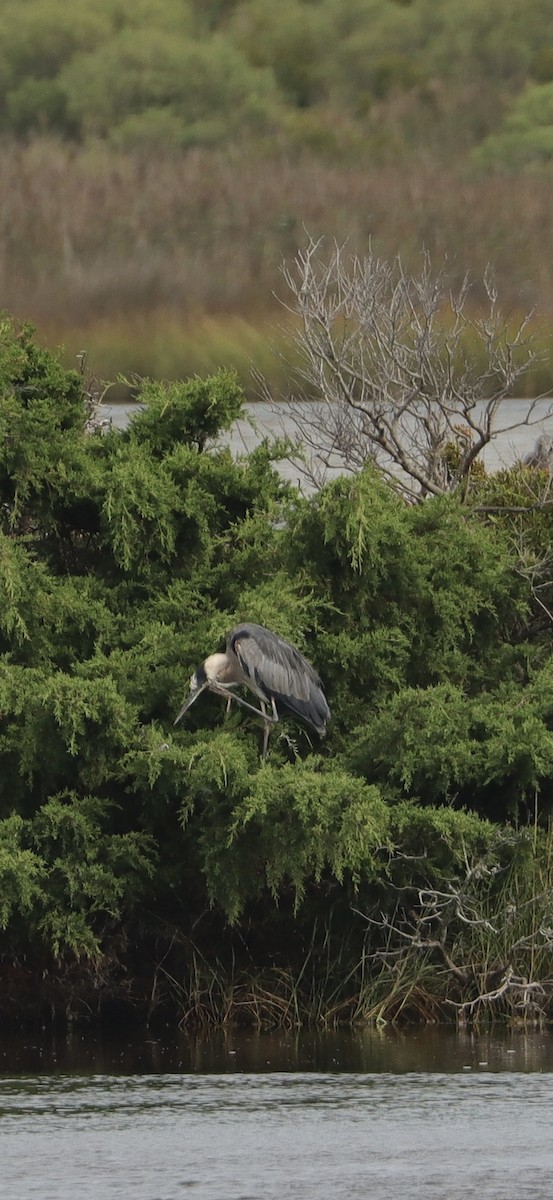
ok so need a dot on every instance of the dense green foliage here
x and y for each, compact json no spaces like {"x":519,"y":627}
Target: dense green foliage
{"x":526,"y":137}
{"x":181,"y":73}
{"x":124,"y":559}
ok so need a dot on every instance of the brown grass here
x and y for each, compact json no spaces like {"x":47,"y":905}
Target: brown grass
{"x":123,"y":255}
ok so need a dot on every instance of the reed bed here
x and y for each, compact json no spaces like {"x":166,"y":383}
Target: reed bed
{"x":140,"y":259}
{"x":164,"y":345}
{"x":477,"y":951}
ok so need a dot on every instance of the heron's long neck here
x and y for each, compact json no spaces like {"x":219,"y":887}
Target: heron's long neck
{"x":223,"y":668}
{"x":232,"y":671}
{"x":235,"y":674}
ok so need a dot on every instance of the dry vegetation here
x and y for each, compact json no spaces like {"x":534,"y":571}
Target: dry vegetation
{"x":168,"y":263}
{"x":159,"y":161}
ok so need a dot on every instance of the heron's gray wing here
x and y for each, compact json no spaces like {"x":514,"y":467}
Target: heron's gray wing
{"x":270,"y":662}
{"x":279,"y":671}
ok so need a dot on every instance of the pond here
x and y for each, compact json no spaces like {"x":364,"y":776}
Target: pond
{"x":514,"y":438}
{"x":433,"y":1115}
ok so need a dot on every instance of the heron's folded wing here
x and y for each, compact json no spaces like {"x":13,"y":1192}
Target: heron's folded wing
{"x":281,"y":672}
{"x":271,"y":662}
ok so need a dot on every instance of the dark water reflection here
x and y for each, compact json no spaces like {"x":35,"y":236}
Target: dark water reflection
{"x":425,"y":1116}
{"x":370,"y":1050}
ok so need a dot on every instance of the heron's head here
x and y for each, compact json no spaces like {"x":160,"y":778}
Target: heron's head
{"x":210,"y":672}
{"x":198,"y":680}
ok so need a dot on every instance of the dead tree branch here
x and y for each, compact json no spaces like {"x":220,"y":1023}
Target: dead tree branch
{"x":400,"y":370}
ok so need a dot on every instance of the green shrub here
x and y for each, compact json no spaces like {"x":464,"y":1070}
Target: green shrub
{"x":125,"y":558}
{"x":527,"y":135}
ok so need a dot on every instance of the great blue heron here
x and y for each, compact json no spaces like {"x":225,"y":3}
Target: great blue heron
{"x":541,"y":457}
{"x":273,"y":670}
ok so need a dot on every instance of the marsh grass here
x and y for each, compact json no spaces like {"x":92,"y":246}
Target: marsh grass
{"x":306,"y":996}
{"x":168,"y":263}
{"x":481,"y":950}
{"x":511,"y":948}
{"x":478,"y":954}
{"x":164,"y":345}
{"x":318,"y":992}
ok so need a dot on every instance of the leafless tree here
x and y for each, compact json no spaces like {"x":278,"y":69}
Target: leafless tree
{"x":94,"y":393}
{"x":398,"y":368}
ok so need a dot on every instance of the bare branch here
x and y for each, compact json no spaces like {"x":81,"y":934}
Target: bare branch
{"x":399,"y":369}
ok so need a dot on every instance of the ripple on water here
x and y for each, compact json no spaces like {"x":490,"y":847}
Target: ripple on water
{"x":150,"y":1137}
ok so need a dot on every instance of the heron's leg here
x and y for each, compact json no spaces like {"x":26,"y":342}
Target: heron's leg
{"x":267,"y":722}
{"x":225,"y":690}
{"x":266,"y":730}
{"x":221,"y":690}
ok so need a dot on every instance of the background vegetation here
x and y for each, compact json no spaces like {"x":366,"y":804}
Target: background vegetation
{"x":400,"y":869}
{"x":159,"y":159}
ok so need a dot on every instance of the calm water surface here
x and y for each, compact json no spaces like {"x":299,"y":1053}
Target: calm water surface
{"x":264,"y":420}
{"x":426,"y":1117}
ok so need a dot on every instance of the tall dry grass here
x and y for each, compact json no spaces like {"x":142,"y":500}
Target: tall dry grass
{"x":126,"y":256}
{"x":478,"y":953}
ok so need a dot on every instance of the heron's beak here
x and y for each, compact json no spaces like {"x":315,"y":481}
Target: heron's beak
{"x":189,"y":702}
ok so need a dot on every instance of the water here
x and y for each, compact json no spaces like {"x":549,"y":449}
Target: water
{"x":276,"y":422}
{"x":431,"y":1116}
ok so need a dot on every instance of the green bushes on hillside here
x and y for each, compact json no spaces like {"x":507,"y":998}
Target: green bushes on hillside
{"x":160,"y":160}
{"x":178,"y":72}
{"x":526,"y":138}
